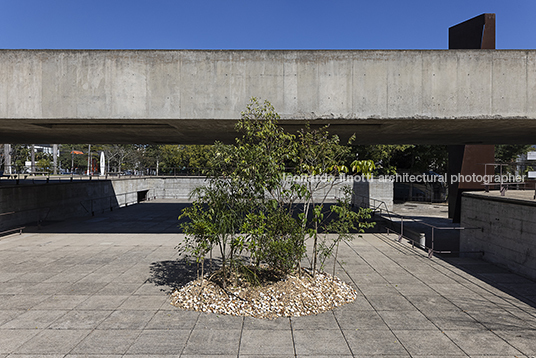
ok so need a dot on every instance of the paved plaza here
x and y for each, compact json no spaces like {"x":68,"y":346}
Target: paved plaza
{"x":99,"y":287}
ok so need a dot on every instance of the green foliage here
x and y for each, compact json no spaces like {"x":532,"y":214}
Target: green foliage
{"x":409,"y":158}
{"x":348,"y":221}
{"x":249,"y":204}
{"x":507,"y":153}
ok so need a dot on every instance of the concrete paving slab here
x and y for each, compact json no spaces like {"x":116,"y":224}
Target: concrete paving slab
{"x":21,"y":301}
{"x":213,"y":342}
{"x":218,"y":322}
{"x":36,"y":355}
{"x":267,"y":342}
{"x":8,"y":276}
{"x":97,"y":302}
{"x":66,"y":277}
{"x":107,"y":342}
{"x":173,"y":320}
{"x":94,"y":356}
{"x":160,"y":342}
{"x":80,"y":320}
{"x":523,"y":341}
{"x":364,"y":320}
{"x":452,"y":289}
{"x":386,"y":289}
{"x":282,"y":323}
{"x":11,"y":339}
{"x":445,"y":320}
{"x":34,"y":319}
{"x":50,"y":342}
{"x":116,"y":300}
{"x":149,"y":289}
{"x":321,"y":342}
{"x":208,"y":355}
{"x":8,"y":315}
{"x":430,"y":343}
{"x":320,"y":321}
{"x":81,"y":288}
{"x":407,"y":320}
{"x":45,"y":288}
{"x":413,"y":289}
{"x":127,"y":320}
{"x":432,"y":303}
{"x":374,"y":342}
{"x":120,"y":289}
{"x":395,"y":302}
{"x":61,"y":302}
{"x":499,"y":319}
{"x":138,"y":302}
{"x":481,"y":343}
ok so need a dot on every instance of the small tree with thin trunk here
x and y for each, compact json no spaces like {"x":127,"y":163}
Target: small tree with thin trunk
{"x":249,"y":204}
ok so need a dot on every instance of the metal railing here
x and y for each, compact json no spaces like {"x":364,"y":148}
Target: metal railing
{"x":19,"y":229}
{"x":46,"y":177}
{"x":378,"y":206}
{"x":422,"y":243}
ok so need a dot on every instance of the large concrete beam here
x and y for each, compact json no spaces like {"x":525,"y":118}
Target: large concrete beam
{"x":185,"y":96}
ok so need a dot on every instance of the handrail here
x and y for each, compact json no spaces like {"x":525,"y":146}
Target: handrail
{"x":14,"y":229}
{"x":431,"y":250}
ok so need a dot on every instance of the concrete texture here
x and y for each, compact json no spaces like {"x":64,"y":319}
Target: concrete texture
{"x":375,"y":194}
{"x":37,"y":199}
{"x":507,"y":234}
{"x":100,"y":289}
{"x":190,"y":96}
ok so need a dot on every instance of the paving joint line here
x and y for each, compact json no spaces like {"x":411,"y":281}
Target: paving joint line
{"x":466,"y":280}
{"x":240,"y":338}
{"x":340,"y":328}
{"x":375,"y":310}
{"x":189,"y":335}
{"x":292,"y":336}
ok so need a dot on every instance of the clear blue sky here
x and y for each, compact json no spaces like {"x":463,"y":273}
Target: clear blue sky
{"x":252,"y":24}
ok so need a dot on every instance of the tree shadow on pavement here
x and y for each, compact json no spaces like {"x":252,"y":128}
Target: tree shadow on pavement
{"x":174,"y":274}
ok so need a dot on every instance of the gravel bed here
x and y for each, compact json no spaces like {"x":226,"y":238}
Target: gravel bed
{"x":289,"y":297}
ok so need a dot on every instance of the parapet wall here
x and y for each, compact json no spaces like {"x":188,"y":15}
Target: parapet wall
{"x":30,"y":204}
{"x":508,"y":230}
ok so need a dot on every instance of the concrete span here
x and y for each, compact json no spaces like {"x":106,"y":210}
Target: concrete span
{"x":196,"y":96}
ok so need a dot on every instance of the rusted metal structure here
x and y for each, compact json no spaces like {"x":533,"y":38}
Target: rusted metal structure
{"x":475,"y":33}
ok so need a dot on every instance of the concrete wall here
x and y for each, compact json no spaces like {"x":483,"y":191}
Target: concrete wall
{"x":508,"y":235}
{"x":59,"y":201}
{"x":186,"y":84}
{"x":374,"y":194}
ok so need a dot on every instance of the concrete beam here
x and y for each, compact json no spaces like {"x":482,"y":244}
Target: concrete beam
{"x":189,"y":96}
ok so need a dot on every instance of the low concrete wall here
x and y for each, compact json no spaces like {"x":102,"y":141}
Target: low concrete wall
{"x":30,"y":204}
{"x":508,"y":230}
{"x":374,"y":194}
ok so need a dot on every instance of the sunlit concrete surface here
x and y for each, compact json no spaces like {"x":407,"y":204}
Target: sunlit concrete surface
{"x":196,"y":96}
{"x":99,"y":287}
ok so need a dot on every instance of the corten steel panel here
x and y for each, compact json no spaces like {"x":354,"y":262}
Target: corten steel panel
{"x":464,"y":161}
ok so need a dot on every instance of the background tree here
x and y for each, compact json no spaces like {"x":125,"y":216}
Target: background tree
{"x":508,"y":153}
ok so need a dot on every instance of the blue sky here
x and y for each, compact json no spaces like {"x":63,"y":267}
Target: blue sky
{"x":252,"y":24}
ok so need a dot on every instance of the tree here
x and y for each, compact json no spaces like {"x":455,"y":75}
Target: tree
{"x":249,"y":203}
{"x":508,"y":153}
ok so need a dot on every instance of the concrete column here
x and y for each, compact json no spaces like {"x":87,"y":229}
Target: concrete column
{"x":7,"y":159}
{"x":32,"y":168}
{"x":55,"y":156}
